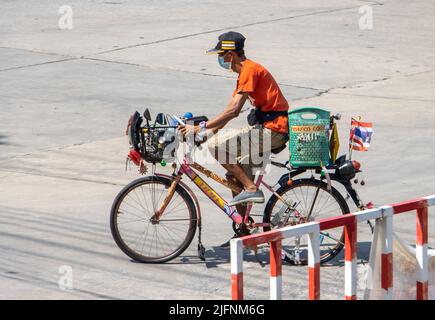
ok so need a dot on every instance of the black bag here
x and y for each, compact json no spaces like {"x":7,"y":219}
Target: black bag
{"x":256,"y":116}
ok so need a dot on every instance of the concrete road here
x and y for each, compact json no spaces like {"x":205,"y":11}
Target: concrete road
{"x":66,"y":95}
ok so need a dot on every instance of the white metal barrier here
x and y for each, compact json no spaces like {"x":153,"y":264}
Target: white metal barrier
{"x":383,"y":216}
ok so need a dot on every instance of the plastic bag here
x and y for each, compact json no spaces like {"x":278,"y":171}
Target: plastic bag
{"x":404,"y":271}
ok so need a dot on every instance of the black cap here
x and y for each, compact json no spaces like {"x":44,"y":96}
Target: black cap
{"x":229,"y":41}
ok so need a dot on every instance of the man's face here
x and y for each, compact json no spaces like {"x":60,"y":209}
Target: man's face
{"x":228,"y":55}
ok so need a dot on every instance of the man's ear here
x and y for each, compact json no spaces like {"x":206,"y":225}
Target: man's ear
{"x":233,"y":61}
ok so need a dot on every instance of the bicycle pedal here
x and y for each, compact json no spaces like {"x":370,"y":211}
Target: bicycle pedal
{"x":255,"y":230}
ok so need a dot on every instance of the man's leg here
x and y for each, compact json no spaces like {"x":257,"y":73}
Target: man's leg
{"x":227,"y":147}
{"x":220,"y":145}
{"x":237,"y":171}
{"x":251,"y":193}
{"x":241,"y":209}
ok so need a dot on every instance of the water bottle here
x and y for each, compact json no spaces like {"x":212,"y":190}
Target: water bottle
{"x":170,"y":144}
{"x":199,"y":137}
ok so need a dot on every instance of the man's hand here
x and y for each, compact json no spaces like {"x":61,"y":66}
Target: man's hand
{"x":189,"y":129}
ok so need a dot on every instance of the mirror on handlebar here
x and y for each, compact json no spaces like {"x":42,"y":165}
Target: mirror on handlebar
{"x":147,"y":114}
{"x":161,"y":119}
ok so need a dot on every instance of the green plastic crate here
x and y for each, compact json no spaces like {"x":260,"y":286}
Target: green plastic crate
{"x":309,"y":137}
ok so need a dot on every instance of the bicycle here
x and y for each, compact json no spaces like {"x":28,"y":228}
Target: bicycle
{"x":154,"y":218}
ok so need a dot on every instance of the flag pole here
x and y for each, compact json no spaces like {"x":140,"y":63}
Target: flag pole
{"x":351,"y":142}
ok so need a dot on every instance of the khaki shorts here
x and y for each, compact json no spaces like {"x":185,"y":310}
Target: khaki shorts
{"x":250,"y":147}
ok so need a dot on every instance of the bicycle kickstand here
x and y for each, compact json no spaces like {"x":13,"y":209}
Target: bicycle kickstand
{"x":201,"y":248}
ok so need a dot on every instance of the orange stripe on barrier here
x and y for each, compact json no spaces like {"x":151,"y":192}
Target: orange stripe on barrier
{"x":336,"y":221}
{"x":387,"y":271}
{"x":409,"y":205}
{"x":350,"y":297}
{"x":314,"y":282}
{"x":350,"y":239}
{"x":265,"y":237}
{"x":275,"y":259}
{"x":422,"y":290}
{"x":237,"y":286}
{"x":422,"y":229}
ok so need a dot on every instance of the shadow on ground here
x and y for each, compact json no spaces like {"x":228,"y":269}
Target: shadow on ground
{"x":217,"y":255}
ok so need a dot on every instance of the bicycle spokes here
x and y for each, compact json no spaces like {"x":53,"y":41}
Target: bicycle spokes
{"x":306,"y":201}
{"x":143,"y":232}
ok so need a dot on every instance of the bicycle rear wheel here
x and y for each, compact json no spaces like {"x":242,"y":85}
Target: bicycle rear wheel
{"x":143,"y":239}
{"x":309,"y":200}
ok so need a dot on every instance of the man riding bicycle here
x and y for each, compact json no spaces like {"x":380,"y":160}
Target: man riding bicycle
{"x":167,"y":206}
{"x":269,"y":118}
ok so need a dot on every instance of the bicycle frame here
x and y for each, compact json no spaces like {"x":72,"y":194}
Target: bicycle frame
{"x":210,"y":193}
{"x":151,"y":152}
{"x":186,"y":168}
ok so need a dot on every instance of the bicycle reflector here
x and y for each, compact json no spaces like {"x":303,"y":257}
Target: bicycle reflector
{"x":356,"y":165}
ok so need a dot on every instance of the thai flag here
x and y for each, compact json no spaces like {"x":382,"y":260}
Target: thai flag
{"x":360,"y":135}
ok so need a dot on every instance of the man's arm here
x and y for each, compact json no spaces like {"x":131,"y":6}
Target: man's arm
{"x":231,"y":111}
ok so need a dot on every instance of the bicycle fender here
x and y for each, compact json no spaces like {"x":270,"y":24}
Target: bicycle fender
{"x":350,"y":190}
{"x":353,"y":194}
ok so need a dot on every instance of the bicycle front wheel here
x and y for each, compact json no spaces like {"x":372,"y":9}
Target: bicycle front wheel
{"x":307,"y":200}
{"x":141,"y":237}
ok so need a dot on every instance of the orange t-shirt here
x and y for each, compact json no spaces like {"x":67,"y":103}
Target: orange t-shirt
{"x":263,"y":92}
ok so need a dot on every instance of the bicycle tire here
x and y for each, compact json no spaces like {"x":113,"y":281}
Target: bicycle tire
{"x":118,"y":237}
{"x":312,"y":183}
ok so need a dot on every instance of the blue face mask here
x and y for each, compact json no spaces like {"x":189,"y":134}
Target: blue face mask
{"x":223,"y":64}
